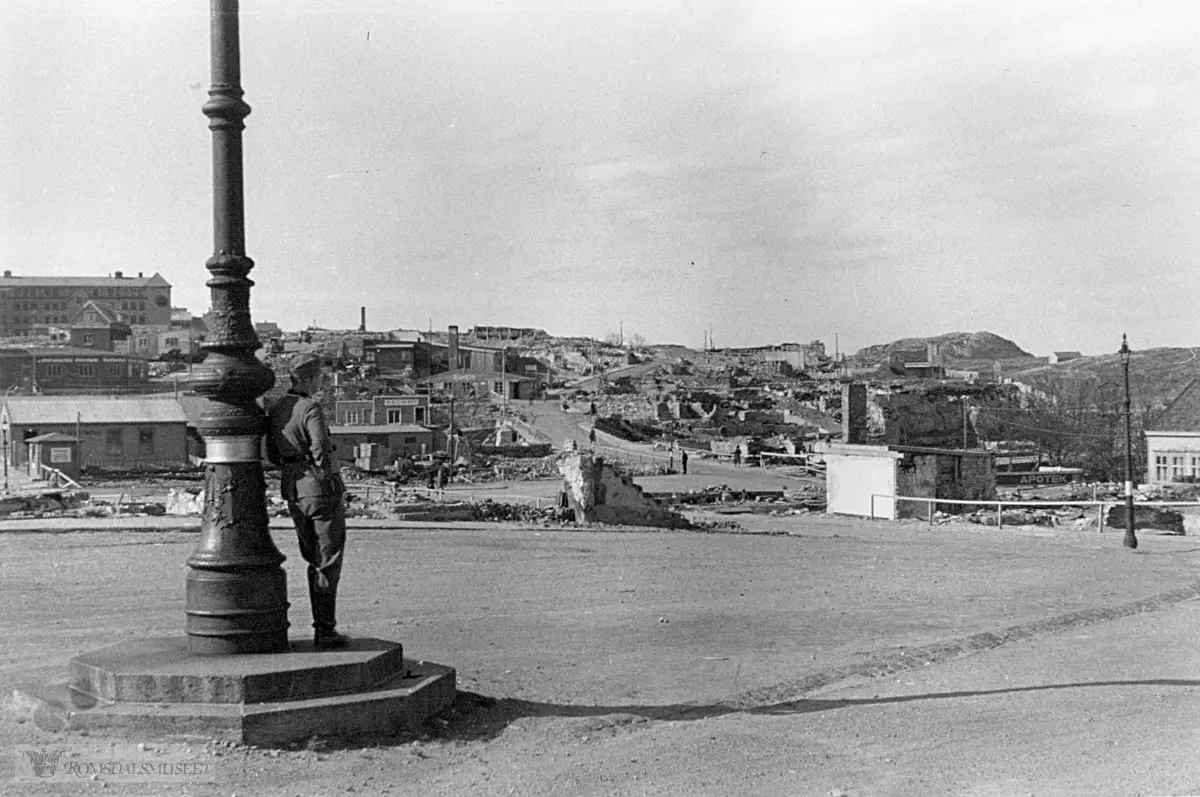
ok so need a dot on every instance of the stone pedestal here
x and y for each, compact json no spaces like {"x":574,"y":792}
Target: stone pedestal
{"x":156,"y":689}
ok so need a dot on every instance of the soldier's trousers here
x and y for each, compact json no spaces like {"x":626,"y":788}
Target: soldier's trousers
{"x":321,"y":531}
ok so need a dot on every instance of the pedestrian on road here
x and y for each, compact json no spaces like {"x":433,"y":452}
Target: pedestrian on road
{"x":683,"y":461}
{"x":737,"y":457}
{"x":298,"y":442}
{"x":592,"y":437}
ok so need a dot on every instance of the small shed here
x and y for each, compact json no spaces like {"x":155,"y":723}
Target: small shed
{"x":872,"y":480}
{"x":53,"y":450}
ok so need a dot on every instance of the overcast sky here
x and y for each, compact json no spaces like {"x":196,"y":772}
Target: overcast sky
{"x":775,"y":171}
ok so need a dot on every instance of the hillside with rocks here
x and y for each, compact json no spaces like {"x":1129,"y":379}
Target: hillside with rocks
{"x":1156,"y":376}
{"x":958,"y":347}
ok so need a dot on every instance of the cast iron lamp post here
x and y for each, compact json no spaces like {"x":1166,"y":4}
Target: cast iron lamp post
{"x":236,"y":589}
{"x":1130,"y":537}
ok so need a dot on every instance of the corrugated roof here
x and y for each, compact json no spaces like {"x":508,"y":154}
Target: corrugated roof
{"x":64,"y":351}
{"x":383,"y":428}
{"x":155,"y":280}
{"x":27,"y":410}
{"x":1182,"y":414}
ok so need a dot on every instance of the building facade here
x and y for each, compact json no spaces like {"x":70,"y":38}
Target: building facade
{"x":505,"y":333}
{"x":380,"y":410}
{"x":54,"y":369}
{"x":377,"y":447}
{"x":1173,"y":439}
{"x":467,"y":384}
{"x":126,"y":433}
{"x":30,"y":304}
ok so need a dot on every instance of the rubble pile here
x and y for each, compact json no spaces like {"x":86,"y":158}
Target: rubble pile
{"x":498,"y":512}
{"x":520,"y":469}
{"x":50,"y":503}
{"x":1147,"y":517}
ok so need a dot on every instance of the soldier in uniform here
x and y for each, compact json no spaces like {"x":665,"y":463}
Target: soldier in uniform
{"x":298,"y":442}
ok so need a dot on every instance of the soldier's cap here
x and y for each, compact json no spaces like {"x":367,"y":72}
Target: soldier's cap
{"x":303,"y":366}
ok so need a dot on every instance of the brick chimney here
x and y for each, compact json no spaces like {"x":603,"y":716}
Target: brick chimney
{"x":452,"y":348}
{"x":854,"y":413}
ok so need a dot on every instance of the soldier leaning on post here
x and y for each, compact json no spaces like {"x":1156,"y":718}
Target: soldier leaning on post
{"x":298,"y":442}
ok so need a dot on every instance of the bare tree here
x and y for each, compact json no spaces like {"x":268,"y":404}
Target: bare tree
{"x":1072,"y":424}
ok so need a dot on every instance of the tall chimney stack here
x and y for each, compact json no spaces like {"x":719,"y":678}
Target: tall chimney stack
{"x":854,"y":412}
{"x":362,"y":326}
{"x":452,"y":348}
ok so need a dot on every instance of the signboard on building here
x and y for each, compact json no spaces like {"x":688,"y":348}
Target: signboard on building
{"x":60,"y":455}
{"x":1038,"y":478}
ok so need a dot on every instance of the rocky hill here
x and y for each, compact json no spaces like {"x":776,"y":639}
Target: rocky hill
{"x":1155,"y":375}
{"x":958,"y":347}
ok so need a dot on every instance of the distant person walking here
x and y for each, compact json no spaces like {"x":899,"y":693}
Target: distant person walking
{"x":298,"y":442}
{"x":592,"y":437}
{"x":683,"y":461}
{"x":737,"y":457}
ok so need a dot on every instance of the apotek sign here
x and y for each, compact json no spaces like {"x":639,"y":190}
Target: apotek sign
{"x":1038,"y":478}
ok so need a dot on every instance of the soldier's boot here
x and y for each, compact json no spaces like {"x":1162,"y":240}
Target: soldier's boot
{"x":324,"y":611}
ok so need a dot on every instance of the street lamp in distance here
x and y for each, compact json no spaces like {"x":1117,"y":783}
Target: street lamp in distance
{"x":1130,"y":536}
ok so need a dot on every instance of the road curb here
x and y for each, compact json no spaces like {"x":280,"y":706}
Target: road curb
{"x":886,"y":663}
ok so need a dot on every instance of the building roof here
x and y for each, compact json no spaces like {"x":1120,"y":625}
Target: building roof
{"x":1182,"y":414}
{"x":382,"y":428}
{"x":16,"y":281}
{"x":390,"y":344}
{"x":466,"y":375}
{"x":107,"y":312}
{"x":29,"y":410}
{"x":52,"y":437}
{"x":63,"y":351}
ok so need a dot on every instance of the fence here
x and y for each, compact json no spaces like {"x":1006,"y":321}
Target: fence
{"x":1000,"y":504}
{"x":54,"y":476}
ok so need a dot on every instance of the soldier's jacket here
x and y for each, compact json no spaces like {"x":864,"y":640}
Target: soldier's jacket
{"x":298,"y":442}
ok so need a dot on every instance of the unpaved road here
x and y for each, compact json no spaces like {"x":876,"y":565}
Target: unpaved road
{"x":617,"y":662}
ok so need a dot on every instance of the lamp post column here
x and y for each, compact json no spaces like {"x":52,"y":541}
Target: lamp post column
{"x":236,"y":589}
{"x":1130,"y":537}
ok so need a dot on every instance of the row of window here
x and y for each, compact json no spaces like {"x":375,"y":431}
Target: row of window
{"x":353,"y":417}
{"x":34,"y":306}
{"x":85,"y":369}
{"x":114,"y":441}
{"x":62,"y":319}
{"x":62,"y":292}
{"x":1174,"y":466}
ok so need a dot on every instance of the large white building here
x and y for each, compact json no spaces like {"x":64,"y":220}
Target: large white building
{"x":1173,"y":439}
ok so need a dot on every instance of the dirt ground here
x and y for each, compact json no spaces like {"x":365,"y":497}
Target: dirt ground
{"x":589,"y":662}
